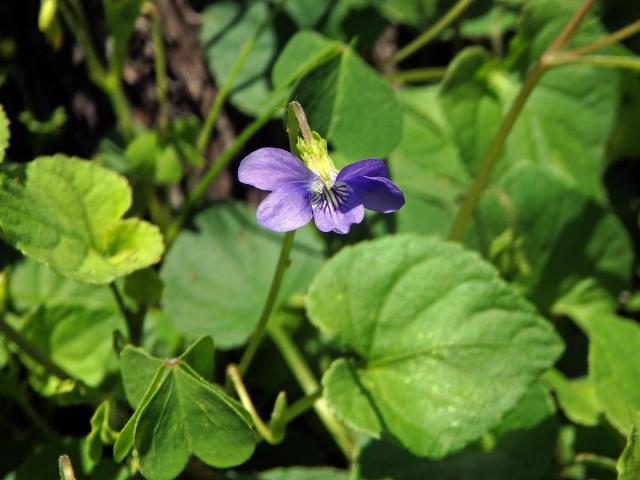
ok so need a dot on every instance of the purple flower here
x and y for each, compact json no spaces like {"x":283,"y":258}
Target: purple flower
{"x":313,"y":187}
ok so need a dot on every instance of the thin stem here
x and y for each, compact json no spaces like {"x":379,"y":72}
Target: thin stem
{"x":610,"y":39}
{"x":223,"y":92}
{"x":201,"y":187}
{"x":307,"y":381}
{"x":431,"y":33}
{"x":34,"y":352}
{"x":133,"y":321}
{"x":258,"y":333}
{"x":418,"y":75}
{"x":302,"y":121}
{"x":115,"y":90}
{"x":495,"y":148}
{"x":263,"y":429}
{"x":160,"y":60}
{"x":301,"y":405}
{"x":607,"y":61}
{"x":596,"y":460}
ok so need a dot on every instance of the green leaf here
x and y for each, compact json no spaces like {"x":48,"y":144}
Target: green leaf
{"x":144,"y":286}
{"x":576,"y":397}
{"x":303,"y":49}
{"x":101,"y":432}
{"x":629,"y":462}
{"x":66,"y":213}
{"x":149,"y":157}
{"x":77,"y":338}
{"x":349,"y":103}
{"x":554,"y":251}
{"x":613,"y":344}
{"x":138,"y":369}
{"x":226,"y":27}
{"x":188,"y":416}
{"x":4,"y":133}
{"x":446,"y":348}
{"x":217,"y":279}
{"x":521,"y":448}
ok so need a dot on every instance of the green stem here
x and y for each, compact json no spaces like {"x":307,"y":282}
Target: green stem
{"x":211,"y":174}
{"x":301,"y":405}
{"x":495,"y":148}
{"x":258,"y":334}
{"x":263,"y":429}
{"x":31,"y":350}
{"x":418,"y":75}
{"x":307,"y":381}
{"x":607,"y":61}
{"x":223,"y":92}
{"x":160,"y":60}
{"x":435,"y":30}
{"x":610,"y":39}
{"x":134,"y":321}
{"x":599,"y":461}
{"x":115,"y":90}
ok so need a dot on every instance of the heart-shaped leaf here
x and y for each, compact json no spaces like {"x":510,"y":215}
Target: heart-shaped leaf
{"x":66,"y":213}
{"x":181,"y":414}
{"x":443,"y":347}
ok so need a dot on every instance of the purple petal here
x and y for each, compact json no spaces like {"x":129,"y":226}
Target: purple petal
{"x":272,"y":168}
{"x":287,"y":208}
{"x":371,"y":167}
{"x":378,"y":194}
{"x":339,"y":219}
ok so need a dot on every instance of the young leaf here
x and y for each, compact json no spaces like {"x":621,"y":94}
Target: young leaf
{"x":4,"y":133}
{"x":66,"y":213}
{"x":446,"y":347}
{"x":349,"y":103}
{"x":138,"y":370}
{"x":216,"y":280}
{"x":188,"y":416}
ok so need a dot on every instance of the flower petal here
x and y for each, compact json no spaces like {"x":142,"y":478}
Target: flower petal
{"x":377,"y":193}
{"x":370,"y":167}
{"x":271,"y":168}
{"x":287,"y":208}
{"x":338,"y":218}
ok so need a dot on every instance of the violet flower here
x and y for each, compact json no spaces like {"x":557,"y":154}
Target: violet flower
{"x":313,"y":187}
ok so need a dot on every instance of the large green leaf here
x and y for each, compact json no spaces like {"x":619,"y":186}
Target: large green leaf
{"x":226,"y":27}
{"x":66,"y":213}
{"x":521,"y":448}
{"x":349,"y":103}
{"x":181,"y":414}
{"x":444,"y":347}
{"x":4,"y":133}
{"x":216,"y":280}
{"x":614,"y":344}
